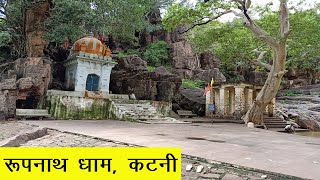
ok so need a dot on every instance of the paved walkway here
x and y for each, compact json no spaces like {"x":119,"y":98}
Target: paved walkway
{"x":232,"y":143}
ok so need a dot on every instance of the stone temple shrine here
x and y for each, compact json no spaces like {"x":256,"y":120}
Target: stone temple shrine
{"x":233,"y":100}
{"x":87,"y":95}
{"x":88,"y":66}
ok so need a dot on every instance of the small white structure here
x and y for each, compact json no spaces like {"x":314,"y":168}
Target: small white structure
{"x":234,"y":100}
{"x":88,"y":66}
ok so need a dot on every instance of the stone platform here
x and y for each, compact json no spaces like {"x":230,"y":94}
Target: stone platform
{"x":232,"y":143}
{"x":79,"y":105}
{"x":211,"y":169}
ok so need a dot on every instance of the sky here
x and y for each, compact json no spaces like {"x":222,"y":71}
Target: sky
{"x":275,"y":6}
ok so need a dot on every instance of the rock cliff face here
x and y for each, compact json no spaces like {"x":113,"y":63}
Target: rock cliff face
{"x":185,"y":62}
{"x":25,"y":85}
{"x":301,"y":105}
{"x":130,"y":76}
{"x":34,"y":28}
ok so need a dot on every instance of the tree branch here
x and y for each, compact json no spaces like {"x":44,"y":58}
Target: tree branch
{"x":280,"y":74}
{"x":261,"y":34}
{"x":259,"y":62}
{"x":284,"y":20}
{"x":206,"y":22}
{"x":250,"y":24}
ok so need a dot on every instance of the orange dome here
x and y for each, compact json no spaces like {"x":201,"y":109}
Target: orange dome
{"x":90,"y":45}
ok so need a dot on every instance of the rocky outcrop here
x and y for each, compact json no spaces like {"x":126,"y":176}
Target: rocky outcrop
{"x":3,"y":107}
{"x":209,"y":61}
{"x":36,"y":15}
{"x":302,"y":109}
{"x":191,"y":99}
{"x":184,"y":60}
{"x":207,"y":75}
{"x":147,"y":37}
{"x":130,"y":76}
{"x":26,"y":84}
{"x":8,"y":97}
{"x":308,"y":124}
{"x":186,"y":64}
{"x":131,"y":63}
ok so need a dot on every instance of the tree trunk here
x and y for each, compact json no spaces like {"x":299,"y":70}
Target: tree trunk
{"x":312,"y":76}
{"x":270,"y":88}
{"x":277,"y":70}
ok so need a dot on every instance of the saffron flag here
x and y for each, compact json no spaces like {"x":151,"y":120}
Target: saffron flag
{"x":212,"y":82}
{"x":101,"y":37}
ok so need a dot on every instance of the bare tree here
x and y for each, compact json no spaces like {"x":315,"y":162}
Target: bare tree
{"x":277,"y":69}
{"x":277,"y":44}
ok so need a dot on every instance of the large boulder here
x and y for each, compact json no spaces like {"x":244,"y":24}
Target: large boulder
{"x":307,"y":123}
{"x":254,"y":77}
{"x":131,"y":76}
{"x":207,"y":75}
{"x":130,"y":64}
{"x":191,"y":99}
{"x":209,"y":61}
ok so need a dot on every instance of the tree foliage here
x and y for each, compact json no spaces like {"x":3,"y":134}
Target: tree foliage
{"x":304,"y":44}
{"x":73,"y":18}
{"x":157,"y":53}
{"x":12,"y":26}
{"x":233,"y":43}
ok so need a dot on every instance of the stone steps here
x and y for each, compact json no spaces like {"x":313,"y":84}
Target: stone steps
{"x":138,"y":110}
{"x":274,"y":122}
{"x":130,"y":101}
{"x":297,"y":130}
{"x":32,"y":113}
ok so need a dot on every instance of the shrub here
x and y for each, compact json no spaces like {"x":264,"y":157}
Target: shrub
{"x":292,"y":93}
{"x":151,"y":68}
{"x":157,"y":53}
{"x":5,"y":38}
{"x":133,"y":52}
{"x":193,"y":83}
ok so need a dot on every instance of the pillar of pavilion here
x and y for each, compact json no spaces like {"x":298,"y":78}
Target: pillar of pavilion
{"x":234,"y":100}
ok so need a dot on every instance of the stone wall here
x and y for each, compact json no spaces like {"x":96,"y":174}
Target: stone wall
{"x":162,"y":107}
{"x":66,"y":107}
{"x":8,"y":97}
{"x":75,"y":107}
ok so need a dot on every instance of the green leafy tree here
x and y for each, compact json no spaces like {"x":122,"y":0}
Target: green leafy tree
{"x":157,"y":53}
{"x":73,"y":18}
{"x":209,"y":11}
{"x":233,"y":43}
{"x":303,"y":47}
{"x":12,"y":26}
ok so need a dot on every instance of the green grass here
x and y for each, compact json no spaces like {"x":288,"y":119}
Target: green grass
{"x":292,"y":93}
{"x":151,"y":68}
{"x":122,"y":55}
{"x":193,"y":83}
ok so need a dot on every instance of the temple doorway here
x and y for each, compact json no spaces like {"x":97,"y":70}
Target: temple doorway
{"x":92,"y":83}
